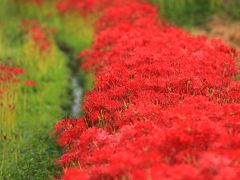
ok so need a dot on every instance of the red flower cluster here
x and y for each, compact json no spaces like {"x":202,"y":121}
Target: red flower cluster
{"x":8,"y":78}
{"x":165,"y":104}
{"x":30,"y":83}
{"x":37,"y":33}
{"x":8,"y":73}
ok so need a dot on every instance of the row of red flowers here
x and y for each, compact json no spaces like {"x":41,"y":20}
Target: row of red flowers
{"x":165,"y":104}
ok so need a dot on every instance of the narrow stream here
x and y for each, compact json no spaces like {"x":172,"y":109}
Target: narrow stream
{"x":77,"y":89}
{"x":77,"y":95}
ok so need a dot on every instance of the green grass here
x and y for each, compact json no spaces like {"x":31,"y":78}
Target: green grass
{"x":185,"y":12}
{"x":79,"y":36}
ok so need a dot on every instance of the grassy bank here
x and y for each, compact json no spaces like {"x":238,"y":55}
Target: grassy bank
{"x":29,"y":151}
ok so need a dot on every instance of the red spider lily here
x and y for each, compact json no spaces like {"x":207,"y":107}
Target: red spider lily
{"x":40,"y":38}
{"x":165,"y":105}
{"x":30,"y":83}
{"x":38,"y":34}
{"x":8,"y":73}
{"x":9,"y":78}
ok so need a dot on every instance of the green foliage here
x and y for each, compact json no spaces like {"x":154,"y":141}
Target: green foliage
{"x":79,"y":36}
{"x":86,"y":80}
{"x":196,"y":12}
{"x":185,"y":12}
{"x":231,"y":8}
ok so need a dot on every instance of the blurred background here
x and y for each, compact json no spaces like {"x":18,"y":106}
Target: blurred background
{"x":216,"y":18}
